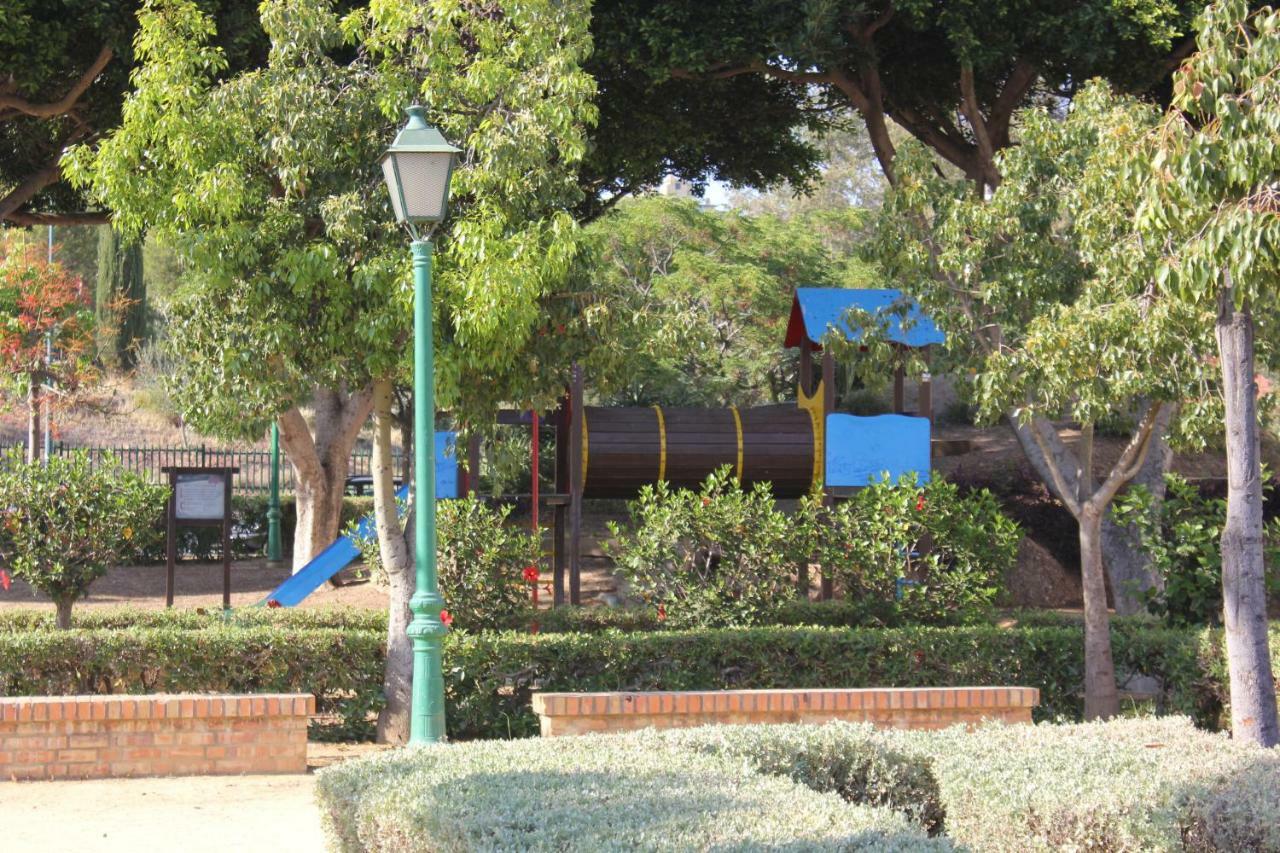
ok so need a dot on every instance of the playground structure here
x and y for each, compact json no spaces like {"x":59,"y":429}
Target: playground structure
{"x":614,"y":452}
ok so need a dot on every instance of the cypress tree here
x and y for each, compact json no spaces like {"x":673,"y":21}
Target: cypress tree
{"x":120,"y":300}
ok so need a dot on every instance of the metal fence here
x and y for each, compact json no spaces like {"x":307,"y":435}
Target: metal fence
{"x":255,"y":465}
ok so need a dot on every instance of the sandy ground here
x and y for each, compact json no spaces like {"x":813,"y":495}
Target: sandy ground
{"x":245,"y":814}
{"x":200,"y":585}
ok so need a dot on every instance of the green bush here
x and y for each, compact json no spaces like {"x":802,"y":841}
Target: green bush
{"x":1183,"y":535}
{"x":480,"y":560}
{"x":64,"y":522}
{"x":1127,"y":785}
{"x":589,"y":794}
{"x":489,"y":676}
{"x":940,"y":554}
{"x":904,"y":552}
{"x":342,"y":667}
{"x":721,"y":555}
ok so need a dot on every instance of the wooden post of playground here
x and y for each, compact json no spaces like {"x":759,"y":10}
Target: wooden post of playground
{"x":577,"y":424}
{"x":924,"y":391}
{"x":828,"y":406}
{"x":563,"y":490}
{"x":899,"y":386}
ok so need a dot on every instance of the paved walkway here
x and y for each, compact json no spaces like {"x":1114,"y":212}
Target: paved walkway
{"x":193,"y":814}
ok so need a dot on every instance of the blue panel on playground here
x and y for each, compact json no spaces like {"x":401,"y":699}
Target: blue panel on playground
{"x":446,"y":465}
{"x":817,"y":309}
{"x":861,"y":451}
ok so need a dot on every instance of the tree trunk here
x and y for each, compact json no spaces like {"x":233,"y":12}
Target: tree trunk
{"x":1101,"y":699}
{"x":397,"y":560}
{"x":33,"y":420}
{"x":1253,"y":687}
{"x":320,"y":454}
{"x":63,"y":618}
{"x":1127,"y":563}
{"x":1123,"y":558}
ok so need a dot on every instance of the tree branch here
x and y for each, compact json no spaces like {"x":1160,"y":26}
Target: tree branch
{"x":85,"y":217}
{"x":1130,"y":461}
{"x":973,"y":114}
{"x":13,"y":103}
{"x":1020,"y":80}
{"x":30,"y":186}
{"x":1060,"y":485}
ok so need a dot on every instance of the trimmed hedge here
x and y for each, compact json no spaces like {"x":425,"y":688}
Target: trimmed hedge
{"x":341,"y":618}
{"x":1127,"y":785}
{"x":489,"y":677}
{"x":343,"y":668}
{"x":589,"y":794}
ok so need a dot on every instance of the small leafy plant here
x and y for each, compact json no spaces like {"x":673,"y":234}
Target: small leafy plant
{"x":721,"y":555}
{"x":1183,"y":536}
{"x":64,"y":523}
{"x":481,"y":561}
{"x":941,"y":554}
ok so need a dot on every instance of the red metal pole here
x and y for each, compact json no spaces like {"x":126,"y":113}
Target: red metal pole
{"x":537,"y":531}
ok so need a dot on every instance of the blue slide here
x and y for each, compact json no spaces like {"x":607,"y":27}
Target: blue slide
{"x":343,"y":551}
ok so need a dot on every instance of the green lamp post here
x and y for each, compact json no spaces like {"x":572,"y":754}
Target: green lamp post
{"x":275,"y":551}
{"x":417,"y":168}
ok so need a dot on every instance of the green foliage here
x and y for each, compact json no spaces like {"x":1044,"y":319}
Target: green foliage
{"x":341,"y":665}
{"x":689,"y":306}
{"x":719,"y":556}
{"x":943,"y":553}
{"x":1125,"y":785}
{"x":589,"y":794}
{"x":120,"y":299}
{"x":266,"y":185}
{"x":489,"y":675}
{"x":66,"y":521}
{"x":480,"y":558}
{"x":1183,"y":535}
{"x":1156,"y":785}
{"x":899,"y":552}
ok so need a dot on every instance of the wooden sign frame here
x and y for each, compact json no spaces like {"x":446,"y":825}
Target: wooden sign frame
{"x":174,"y":520}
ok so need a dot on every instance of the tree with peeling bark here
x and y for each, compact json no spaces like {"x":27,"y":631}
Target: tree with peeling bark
{"x":1213,"y":205}
{"x":297,"y":295}
{"x":64,"y":67}
{"x":264,"y":183}
{"x":1047,"y":297}
{"x":951,"y":75}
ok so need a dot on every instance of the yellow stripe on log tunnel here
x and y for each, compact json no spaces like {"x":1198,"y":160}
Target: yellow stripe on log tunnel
{"x":662,"y":444}
{"x":814,"y":405}
{"x":585,"y":455}
{"x":737,"y":424}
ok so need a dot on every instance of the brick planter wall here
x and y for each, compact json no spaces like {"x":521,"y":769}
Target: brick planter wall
{"x":904,"y":708}
{"x":84,"y":737}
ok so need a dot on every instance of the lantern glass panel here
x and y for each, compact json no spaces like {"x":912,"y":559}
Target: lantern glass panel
{"x":424,"y":184}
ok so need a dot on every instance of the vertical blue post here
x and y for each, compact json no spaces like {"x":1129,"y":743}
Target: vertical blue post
{"x":426,"y":720}
{"x":274,"y":550}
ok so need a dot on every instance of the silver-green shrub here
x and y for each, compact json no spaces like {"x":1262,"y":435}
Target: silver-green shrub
{"x":593,"y":793}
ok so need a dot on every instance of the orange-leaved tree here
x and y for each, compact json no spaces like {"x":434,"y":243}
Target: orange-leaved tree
{"x":46,"y":332}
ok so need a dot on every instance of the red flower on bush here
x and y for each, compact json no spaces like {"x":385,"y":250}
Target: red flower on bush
{"x":4,"y":580}
{"x":662,"y":612}
{"x":531,"y":574}
{"x":273,"y":604}
{"x":446,"y":618}
{"x":919,"y":656}
{"x":706,"y":501}
{"x":920,"y":502}
{"x":534,"y":627}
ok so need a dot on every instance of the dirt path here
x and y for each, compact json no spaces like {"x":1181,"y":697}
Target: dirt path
{"x":193,"y":814}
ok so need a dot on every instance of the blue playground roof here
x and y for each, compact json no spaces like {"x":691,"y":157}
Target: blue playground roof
{"x":817,"y":309}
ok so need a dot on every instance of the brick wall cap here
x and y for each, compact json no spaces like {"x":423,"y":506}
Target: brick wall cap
{"x":626,"y":703}
{"x":159,"y":705}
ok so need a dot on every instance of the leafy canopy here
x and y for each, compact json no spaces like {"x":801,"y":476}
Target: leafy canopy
{"x":266,"y":183}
